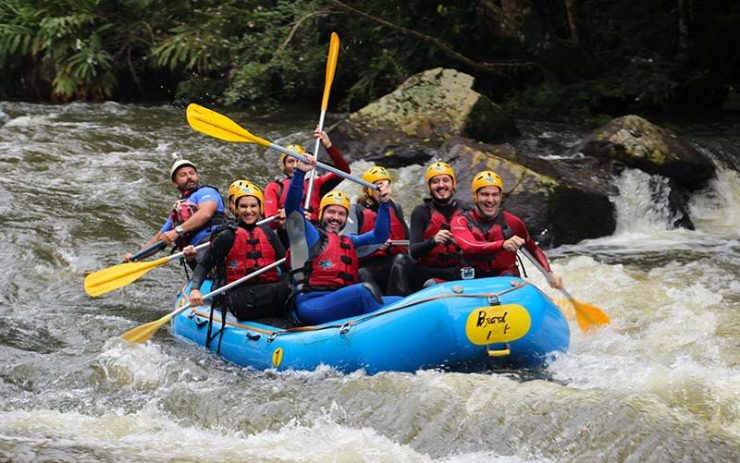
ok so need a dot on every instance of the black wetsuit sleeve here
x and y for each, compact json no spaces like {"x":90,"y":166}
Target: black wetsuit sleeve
{"x":216,"y":253}
{"x":277,"y":245}
{"x":419,"y":247}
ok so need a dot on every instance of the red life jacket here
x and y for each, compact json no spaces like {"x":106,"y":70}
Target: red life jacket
{"x":502,"y":262}
{"x":367,"y":218}
{"x":283,"y":185}
{"x":251,"y":251}
{"x":445,"y":254}
{"x":183,"y":209}
{"x":332,"y":263}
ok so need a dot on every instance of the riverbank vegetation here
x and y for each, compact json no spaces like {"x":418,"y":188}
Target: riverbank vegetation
{"x":540,"y":58}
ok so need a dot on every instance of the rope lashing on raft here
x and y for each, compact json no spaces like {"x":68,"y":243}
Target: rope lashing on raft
{"x":344,"y":327}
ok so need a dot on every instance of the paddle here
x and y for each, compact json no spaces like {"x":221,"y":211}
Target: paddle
{"x":118,"y":276}
{"x":142,"y":333}
{"x":331,"y":66}
{"x":219,"y":126}
{"x":587,"y":315}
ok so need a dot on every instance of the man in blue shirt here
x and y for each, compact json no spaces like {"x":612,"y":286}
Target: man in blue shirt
{"x":324,"y":263}
{"x":192,"y":219}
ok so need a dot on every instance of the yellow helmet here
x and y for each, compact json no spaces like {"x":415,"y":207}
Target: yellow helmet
{"x":374,"y":174}
{"x":296,"y":148}
{"x":439,"y":168}
{"x":333,"y":198}
{"x":235,"y":186}
{"x":250,"y":189}
{"x":486,"y":178}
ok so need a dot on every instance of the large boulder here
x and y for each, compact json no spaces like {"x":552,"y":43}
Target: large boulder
{"x":417,"y":117}
{"x":635,"y":142}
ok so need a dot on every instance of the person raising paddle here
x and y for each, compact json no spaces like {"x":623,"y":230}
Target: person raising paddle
{"x":194,"y":217}
{"x":324,"y":264}
{"x":277,"y":190}
{"x":489,"y":237}
{"x":242,"y":248}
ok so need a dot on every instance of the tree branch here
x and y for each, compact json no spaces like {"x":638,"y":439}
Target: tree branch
{"x":295,"y":28}
{"x":495,"y":68}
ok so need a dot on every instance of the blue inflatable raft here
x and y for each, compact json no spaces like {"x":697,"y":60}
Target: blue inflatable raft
{"x":467,"y":325}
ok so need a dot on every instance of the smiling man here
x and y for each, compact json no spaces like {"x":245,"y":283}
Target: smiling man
{"x":194,"y":216}
{"x":489,"y":236}
{"x":324,"y":264}
{"x":431,"y":242}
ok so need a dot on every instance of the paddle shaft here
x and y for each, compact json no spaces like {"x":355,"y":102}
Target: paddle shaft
{"x":145,"y":252}
{"x":331,"y":169}
{"x":231,"y":285}
{"x":312,"y":175}
{"x":158,"y":245}
{"x":544,"y":272}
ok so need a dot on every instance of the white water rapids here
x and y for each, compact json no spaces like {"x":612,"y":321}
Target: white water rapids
{"x":82,"y":184}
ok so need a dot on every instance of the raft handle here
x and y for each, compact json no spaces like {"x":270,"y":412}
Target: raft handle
{"x":493,"y":300}
{"x":272,"y":336}
{"x":253,"y":336}
{"x":344,"y":329}
{"x":499,"y":352}
{"x":200,"y":321}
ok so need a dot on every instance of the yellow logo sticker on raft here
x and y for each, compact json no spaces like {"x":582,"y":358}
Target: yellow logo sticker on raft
{"x":277,"y":357}
{"x":497,"y":323}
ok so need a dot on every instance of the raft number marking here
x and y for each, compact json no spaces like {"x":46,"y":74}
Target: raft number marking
{"x":277,"y":357}
{"x":497,"y":323}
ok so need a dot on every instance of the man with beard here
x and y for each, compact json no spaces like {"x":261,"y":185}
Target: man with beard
{"x":192,"y":219}
{"x":431,"y":242}
{"x":324,"y":264}
{"x":489,"y":236}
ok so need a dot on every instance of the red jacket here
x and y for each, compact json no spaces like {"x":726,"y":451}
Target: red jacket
{"x":277,"y":190}
{"x":482,"y":243}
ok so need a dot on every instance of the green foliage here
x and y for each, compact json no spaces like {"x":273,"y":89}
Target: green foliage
{"x":627,"y":55}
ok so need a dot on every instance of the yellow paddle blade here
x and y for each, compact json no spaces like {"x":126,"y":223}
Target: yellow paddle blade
{"x":118,"y":276}
{"x":566,"y":307}
{"x":142,"y":333}
{"x":331,"y":66}
{"x":588,"y":315}
{"x":219,"y":126}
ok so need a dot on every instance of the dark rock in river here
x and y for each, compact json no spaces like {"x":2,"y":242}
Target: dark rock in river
{"x":637,"y":143}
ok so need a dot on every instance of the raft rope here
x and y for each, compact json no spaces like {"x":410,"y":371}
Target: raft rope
{"x":344,"y":327}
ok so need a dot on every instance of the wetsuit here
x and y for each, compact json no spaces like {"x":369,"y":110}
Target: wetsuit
{"x":482,"y":243}
{"x":236,"y":251}
{"x":439,"y":261}
{"x":320,"y":305}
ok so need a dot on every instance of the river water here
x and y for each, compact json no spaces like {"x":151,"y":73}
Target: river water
{"x":82,"y":184}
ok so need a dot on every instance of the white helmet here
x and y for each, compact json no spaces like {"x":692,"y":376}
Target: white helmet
{"x":180,"y":163}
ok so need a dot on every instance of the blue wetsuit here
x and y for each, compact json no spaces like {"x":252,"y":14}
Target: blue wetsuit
{"x":316,"y":307}
{"x":201,"y":195}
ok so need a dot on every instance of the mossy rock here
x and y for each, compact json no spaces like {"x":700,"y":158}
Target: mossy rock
{"x":430,"y":107}
{"x":635,"y":142}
